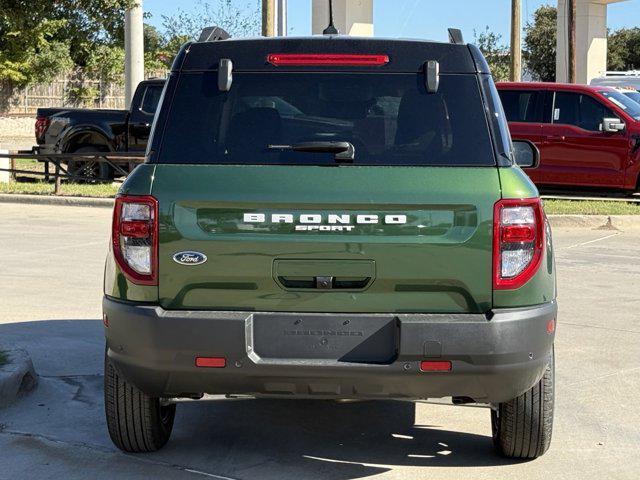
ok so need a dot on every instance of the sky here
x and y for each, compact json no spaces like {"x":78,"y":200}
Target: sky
{"x":417,"y":18}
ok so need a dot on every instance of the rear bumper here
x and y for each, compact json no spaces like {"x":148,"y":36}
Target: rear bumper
{"x":494,"y":358}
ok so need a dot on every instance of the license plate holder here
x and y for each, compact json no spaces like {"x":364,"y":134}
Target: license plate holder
{"x":337,"y":337}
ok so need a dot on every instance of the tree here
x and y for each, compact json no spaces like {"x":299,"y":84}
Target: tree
{"x":34,"y":57}
{"x":540,"y":44}
{"x":40,"y":38}
{"x":497,"y":55}
{"x":239,"y":22}
{"x":624,"y":49}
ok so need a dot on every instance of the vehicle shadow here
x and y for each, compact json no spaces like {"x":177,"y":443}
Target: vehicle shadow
{"x":237,"y":438}
{"x":320,"y":439}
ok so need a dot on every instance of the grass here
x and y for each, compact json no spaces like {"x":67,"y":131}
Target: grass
{"x":101,"y":190}
{"x":30,"y":165}
{"x":590,"y":207}
{"x":36,"y":186}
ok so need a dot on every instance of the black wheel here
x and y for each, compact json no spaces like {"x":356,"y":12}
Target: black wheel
{"x":137,"y":423}
{"x":89,"y":170}
{"x":522,"y":427}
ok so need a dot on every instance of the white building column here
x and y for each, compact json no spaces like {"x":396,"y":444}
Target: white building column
{"x":134,"y":51}
{"x":5,"y":163}
{"x":591,"y":40}
{"x":351,"y":17}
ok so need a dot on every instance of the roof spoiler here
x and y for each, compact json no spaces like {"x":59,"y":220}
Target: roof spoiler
{"x":213,"y":34}
{"x":455,"y":36}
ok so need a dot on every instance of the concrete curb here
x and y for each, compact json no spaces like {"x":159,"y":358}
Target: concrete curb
{"x":17,"y":377}
{"x":53,"y":200}
{"x":596,"y":222}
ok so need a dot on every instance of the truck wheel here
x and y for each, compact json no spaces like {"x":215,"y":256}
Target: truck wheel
{"x":90,"y":170}
{"x":137,"y":423}
{"x":522,"y":427}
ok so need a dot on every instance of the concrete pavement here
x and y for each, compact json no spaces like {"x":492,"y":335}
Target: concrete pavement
{"x":51,"y":261}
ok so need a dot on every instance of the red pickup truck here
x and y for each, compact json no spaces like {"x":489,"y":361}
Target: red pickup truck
{"x":588,"y":136}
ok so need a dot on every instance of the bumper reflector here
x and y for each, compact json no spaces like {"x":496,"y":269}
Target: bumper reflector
{"x":211,"y":362}
{"x":435,"y":366}
{"x":551,"y":326}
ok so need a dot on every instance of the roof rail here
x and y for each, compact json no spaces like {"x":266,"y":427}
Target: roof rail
{"x":628,"y":73}
{"x":213,"y":34}
{"x":455,"y":36}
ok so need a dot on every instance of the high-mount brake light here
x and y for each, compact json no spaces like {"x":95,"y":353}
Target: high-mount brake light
{"x":518,"y":240}
{"x":135,"y":238}
{"x":327,"y":59}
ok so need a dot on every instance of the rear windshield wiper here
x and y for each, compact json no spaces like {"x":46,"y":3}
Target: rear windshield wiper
{"x":343,"y":151}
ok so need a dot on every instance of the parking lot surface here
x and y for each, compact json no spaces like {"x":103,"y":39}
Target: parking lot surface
{"x":51,"y":261}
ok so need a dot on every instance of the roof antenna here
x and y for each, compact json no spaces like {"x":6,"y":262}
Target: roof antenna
{"x":331,"y":29}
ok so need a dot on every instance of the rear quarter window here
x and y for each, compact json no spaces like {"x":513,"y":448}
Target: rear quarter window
{"x":389,"y":118}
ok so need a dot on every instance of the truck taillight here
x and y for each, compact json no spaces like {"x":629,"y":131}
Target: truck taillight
{"x":135,"y":238}
{"x":42,"y":124}
{"x":518,"y":240}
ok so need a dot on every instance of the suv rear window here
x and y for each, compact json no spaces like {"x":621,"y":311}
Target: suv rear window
{"x":389,"y":118}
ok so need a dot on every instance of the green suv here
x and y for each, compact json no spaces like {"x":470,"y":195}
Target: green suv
{"x":331,"y":218}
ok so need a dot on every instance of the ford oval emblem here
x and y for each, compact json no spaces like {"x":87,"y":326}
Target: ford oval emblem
{"x":190,"y":258}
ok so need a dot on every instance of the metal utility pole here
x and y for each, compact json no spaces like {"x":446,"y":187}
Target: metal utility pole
{"x":282,"y":18}
{"x":516,"y":44}
{"x":134,"y":51}
{"x":571,"y":29}
{"x":268,"y":18}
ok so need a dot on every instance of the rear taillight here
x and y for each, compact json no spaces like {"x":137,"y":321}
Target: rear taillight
{"x":518,"y":240}
{"x":327,"y":59}
{"x":135,"y":238}
{"x":42,"y":124}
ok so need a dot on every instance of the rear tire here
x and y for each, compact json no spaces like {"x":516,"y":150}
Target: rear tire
{"x":522,"y":427}
{"x":89,"y":170}
{"x":137,"y":423}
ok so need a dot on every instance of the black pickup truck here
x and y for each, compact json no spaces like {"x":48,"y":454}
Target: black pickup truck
{"x":79,"y":130}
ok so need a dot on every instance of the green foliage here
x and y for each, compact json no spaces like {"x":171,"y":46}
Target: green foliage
{"x":105,"y":62}
{"x":238,"y":22}
{"x":28,"y":50}
{"x":159,"y":52}
{"x":498,"y":55}
{"x":540,"y":44}
{"x":41,"y":38}
{"x":624,"y":49}
{"x":82,"y":95}
{"x":153,"y":39}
